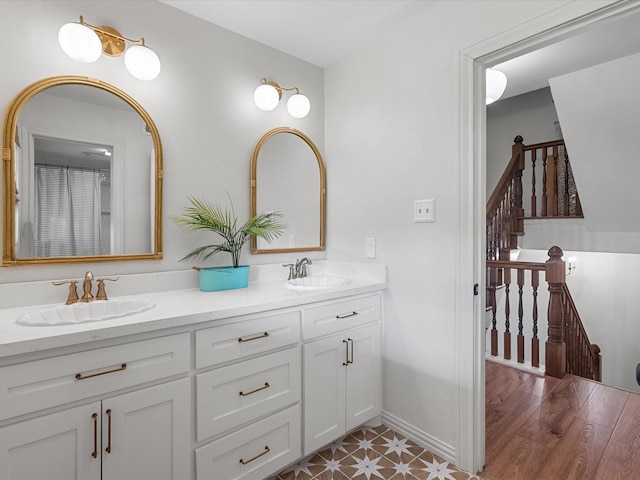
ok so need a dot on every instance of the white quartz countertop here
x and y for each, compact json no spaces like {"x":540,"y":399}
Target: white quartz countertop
{"x":173,"y":308}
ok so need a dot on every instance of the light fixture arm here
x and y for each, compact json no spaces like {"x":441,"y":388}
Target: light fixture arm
{"x":113,"y":42}
{"x":275,"y":85}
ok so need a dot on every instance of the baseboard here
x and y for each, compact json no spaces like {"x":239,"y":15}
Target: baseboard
{"x":526,"y":366}
{"x":423,"y":439}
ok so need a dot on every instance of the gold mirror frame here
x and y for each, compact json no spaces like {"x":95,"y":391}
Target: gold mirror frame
{"x":10,"y":189}
{"x":323,"y":191}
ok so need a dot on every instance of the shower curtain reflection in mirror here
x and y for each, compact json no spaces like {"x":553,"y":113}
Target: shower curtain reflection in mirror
{"x":71,"y":211}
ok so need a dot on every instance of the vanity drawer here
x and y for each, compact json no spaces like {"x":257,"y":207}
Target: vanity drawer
{"x":32,"y":386}
{"x":238,"y":340}
{"x":232,"y":395}
{"x":257,"y":451}
{"x":341,"y":315}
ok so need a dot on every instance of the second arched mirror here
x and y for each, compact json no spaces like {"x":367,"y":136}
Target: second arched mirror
{"x":288,"y":176}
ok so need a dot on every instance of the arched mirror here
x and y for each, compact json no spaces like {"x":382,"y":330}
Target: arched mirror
{"x":288,"y":176}
{"x":82,"y":175}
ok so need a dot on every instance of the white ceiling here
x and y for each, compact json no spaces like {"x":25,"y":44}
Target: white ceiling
{"x":324,"y":31}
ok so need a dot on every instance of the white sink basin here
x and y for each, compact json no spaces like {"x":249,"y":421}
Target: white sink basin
{"x":95,"y":311}
{"x":317,"y":282}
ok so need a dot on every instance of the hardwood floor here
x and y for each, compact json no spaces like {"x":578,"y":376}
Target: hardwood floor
{"x":540,"y":428}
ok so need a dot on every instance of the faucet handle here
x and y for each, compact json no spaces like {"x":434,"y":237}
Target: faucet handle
{"x":73,"y":290}
{"x":290,"y":265}
{"x":102,"y":292}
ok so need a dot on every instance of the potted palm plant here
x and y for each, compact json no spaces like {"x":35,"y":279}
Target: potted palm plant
{"x":203,"y":215}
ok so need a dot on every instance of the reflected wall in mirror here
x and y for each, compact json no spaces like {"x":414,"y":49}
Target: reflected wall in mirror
{"x":288,"y":176}
{"x":82,"y":175}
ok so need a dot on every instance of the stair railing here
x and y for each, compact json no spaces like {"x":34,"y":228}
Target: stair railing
{"x":567,"y":348}
{"x":504,"y":208}
{"x":555,"y":196}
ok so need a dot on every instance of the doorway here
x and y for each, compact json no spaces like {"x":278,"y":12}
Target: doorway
{"x":562,"y":23}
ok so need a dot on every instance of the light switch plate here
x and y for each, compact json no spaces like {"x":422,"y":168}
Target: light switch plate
{"x":371,"y":248}
{"x":424,"y":211}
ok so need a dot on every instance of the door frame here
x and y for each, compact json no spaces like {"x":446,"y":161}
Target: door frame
{"x":560,"y":23}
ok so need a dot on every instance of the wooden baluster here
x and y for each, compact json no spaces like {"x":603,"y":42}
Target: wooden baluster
{"x":534,"y":207}
{"x":535,"y":342}
{"x":493,"y":281}
{"x":507,"y":309}
{"x":543,"y":212}
{"x":555,"y":347}
{"x":567,"y":197}
{"x":520,"y":314}
{"x":553,"y":167}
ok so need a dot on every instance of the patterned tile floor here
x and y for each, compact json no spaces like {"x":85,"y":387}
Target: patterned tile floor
{"x":373,"y":454}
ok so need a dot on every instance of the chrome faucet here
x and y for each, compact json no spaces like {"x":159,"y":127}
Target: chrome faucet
{"x":299,"y":270}
{"x":87,"y":286}
{"x":301,"y":267}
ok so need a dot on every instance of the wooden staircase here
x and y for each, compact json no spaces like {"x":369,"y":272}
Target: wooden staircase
{"x":567,"y":348}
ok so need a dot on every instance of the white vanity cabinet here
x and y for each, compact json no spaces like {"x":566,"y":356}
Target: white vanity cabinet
{"x":248,"y":402}
{"x":342,"y":368}
{"x":229,"y":392}
{"x":140,"y":434}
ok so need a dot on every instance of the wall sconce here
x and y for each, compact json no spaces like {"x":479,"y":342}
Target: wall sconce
{"x":85,"y":43}
{"x":571,"y":265}
{"x":268,"y":95}
{"x":496,"y":83}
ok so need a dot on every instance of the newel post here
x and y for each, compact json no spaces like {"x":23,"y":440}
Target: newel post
{"x":517,"y":217}
{"x":555,"y":346}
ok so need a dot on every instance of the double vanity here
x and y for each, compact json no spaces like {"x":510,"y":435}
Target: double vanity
{"x":225,"y":385}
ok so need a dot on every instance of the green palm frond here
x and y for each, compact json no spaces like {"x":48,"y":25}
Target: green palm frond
{"x":203,"y":215}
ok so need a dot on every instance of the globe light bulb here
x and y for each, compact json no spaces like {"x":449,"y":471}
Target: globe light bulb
{"x":266,"y":97}
{"x":142,"y":62}
{"x":80,"y":42}
{"x":298,"y":105}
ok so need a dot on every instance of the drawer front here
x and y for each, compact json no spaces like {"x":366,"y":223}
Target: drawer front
{"x":230,"y":396}
{"x":33,"y":386}
{"x":340,"y":315}
{"x":237,"y":340}
{"x":257,"y":451}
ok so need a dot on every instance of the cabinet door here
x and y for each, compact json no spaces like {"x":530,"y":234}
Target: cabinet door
{"x":59,"y":446}
{"x":145,"y":434}
{"x":363,"y":375}
{"x":324,"y":391}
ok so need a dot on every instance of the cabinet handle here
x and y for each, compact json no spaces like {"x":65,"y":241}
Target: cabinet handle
{"x":266,"y":385}
{"x":95,"y":435}
{"x":347,"y":315}
{"x":266,"y":450}
{"x":346,"y":352}
{"x":351,"y":342}
{"x":79,"y":376}
{"x":264,"y":335}
{"x":108,"y":449}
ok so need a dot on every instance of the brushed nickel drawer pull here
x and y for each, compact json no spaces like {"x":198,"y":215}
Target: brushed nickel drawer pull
{"x":347,"y":315}
{"x":350,"y":340}
{"x":266,"y":450}
{"x":79,"y":376}
{"x":266,"y":385}
{"x":95,"y":435}
{"x":108,"y":449}
{"x":264,"y":335}
{"x":346,"y":348}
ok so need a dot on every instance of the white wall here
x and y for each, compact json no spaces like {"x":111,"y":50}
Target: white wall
{"x":599,"y":110}
{"x":202,"y":104}
{"x":391,"y":138}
